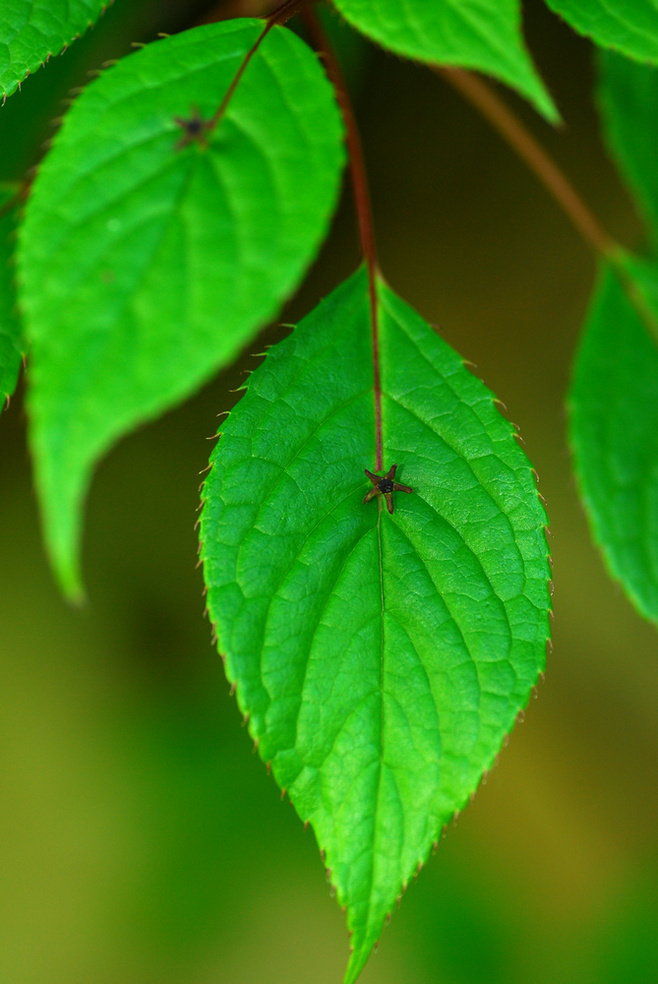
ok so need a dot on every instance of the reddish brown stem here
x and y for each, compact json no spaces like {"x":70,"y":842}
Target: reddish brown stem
{"x":510,"y":127}
{"x":362,"y":204}
{"x":480,"y":95}
{"x":281,"y":15}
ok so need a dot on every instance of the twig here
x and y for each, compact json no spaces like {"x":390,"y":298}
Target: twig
{"x":510,"y":127}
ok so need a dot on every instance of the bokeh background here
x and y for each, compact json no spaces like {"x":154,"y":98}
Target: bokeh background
{"x":141,"y":840}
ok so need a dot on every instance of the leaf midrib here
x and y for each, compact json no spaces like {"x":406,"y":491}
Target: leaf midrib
{"x":381,"y":700}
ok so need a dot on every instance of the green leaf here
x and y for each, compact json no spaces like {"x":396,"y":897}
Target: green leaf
{"x":614,"y":431}
{"x":381,"y":659}
{"x":33,"y":30}
{"x":629,"y":26}
{"x":480,"y":34}
{"x":145,"y":266}
{"x":10,"y":329}
{"x":628,"y":99}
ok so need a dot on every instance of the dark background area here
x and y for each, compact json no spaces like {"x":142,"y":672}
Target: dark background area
{"x":141,"y":840}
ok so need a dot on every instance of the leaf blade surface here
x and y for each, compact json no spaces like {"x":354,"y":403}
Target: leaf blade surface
{"x":146,"y":265}
{"x":628,"y":101}
{"x":613,"y":406}
{"x":33,"y":30}
{"x":381,"y":658}
{"x":628,"y":26}
{"x":480,"y":34}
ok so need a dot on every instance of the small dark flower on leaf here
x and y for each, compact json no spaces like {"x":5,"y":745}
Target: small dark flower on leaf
{"x":194,"y":129}
{"x":384,"y":485}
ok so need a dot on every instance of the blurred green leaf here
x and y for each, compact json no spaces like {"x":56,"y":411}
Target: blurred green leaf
{"x":33,"y":30}
{"x":629,"y":26}
{"x":628,"y":100}
{"x":381,"y":659}
{"x":10,"y":328}
{"x":614,"y":429}
{"x":627,"y":947}
{"x":480,"y":34}
{"x":146,"y":265}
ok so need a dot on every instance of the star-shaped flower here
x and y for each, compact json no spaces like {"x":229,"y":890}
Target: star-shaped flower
{"x":195,"y":129}
{"x":385,"y":486}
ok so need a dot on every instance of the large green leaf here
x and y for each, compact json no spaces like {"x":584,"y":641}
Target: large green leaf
{"x":33,"y":30}
{"x":629,"y":26}
{"x":628,"y":98}
{"x":614,"y":431}
{"x":480,"y":34}
{"x":144,"y":265}
{"x":381,"y":658}
{"x":10,"y":329}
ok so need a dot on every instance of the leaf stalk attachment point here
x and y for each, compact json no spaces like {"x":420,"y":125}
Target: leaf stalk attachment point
{"x":279,"y":17}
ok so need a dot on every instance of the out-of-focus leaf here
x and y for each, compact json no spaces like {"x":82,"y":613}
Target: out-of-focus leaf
{"x":480,"y":34}
{"x":629,"y":26}
{"x":614,"y":430}
{"x":381,"y":658}
{"x":145,"y":265}
{"x":628,"y":98}
{"x":33,"y":30}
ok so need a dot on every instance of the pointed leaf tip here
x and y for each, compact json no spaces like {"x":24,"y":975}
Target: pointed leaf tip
{"x":382,"y":657}
{"x":143,"y":266}
{"x":484,"y":35}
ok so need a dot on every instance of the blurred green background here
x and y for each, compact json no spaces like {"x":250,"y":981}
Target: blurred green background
{"x":141,"y":840}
